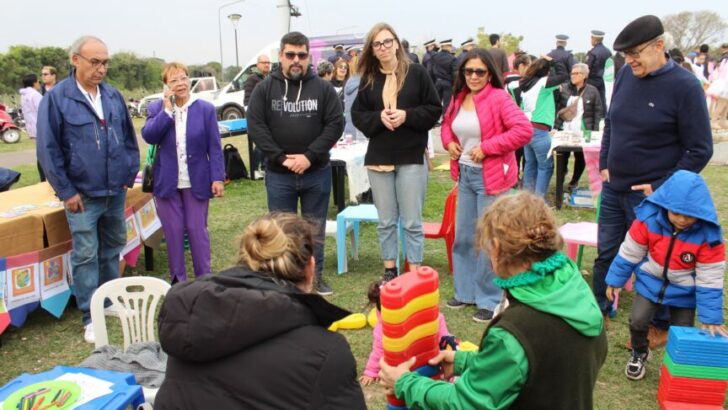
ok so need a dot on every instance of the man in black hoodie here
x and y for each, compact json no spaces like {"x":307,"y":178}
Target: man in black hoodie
{"x":295,"y":117}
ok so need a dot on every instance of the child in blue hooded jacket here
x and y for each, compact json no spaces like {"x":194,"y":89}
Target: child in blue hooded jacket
{"x":675,"y":249}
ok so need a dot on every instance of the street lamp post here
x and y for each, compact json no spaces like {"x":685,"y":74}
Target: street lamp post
{"x":235,"y":19}
{"x":219,"y":29}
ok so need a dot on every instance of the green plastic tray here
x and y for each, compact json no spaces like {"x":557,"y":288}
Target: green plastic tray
{"x":696,"y":372}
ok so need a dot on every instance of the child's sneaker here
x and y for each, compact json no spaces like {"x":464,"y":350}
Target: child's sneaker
{"x":636,"y":368}
{"x":389,"y":274}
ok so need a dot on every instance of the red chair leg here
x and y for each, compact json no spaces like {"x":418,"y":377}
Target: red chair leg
{"x":448,"y":245}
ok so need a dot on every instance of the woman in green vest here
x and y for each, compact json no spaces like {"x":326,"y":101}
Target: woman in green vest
{"x":544,"y":349}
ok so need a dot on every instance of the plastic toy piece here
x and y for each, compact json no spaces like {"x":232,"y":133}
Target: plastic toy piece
{"x":399,"y":292}
{"x":372,"y":318}
{"x":419,"y":332}
{"x":466,"y":346}
{"x":352,"y":322}
{"x":410,"y":323}
{"x":397,"y":330}
{"x":399,"y":315}
{"x":686,"y":370}
{"x":689,"y":390}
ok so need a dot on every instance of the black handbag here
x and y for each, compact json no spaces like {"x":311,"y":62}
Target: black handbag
{"x":234,"y":165}
{"x":148,"y":171}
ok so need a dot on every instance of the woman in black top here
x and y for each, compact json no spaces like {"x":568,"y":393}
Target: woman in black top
{"x":255,"y":336}
{"x":395,"y":108}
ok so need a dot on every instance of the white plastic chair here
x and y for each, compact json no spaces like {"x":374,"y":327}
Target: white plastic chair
{"x":137,"y":298}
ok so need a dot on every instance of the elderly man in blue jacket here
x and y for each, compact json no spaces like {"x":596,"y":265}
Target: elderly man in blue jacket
{"x":88,"y":149}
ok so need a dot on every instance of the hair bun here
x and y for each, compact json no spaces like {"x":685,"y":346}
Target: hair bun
{"x":538,"y":234}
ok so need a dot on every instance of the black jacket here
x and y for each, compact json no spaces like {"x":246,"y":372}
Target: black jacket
{"x":295,"y":117}
{"x":596,"y":58}
{"x":442,"y":66}
{"x":241,"y":340}
{"x":564,"y":56}
{"x":406,"y":144}
{"x":590,"y":101}
{"x":250,"y":83}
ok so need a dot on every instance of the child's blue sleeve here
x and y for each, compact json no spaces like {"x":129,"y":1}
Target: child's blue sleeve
{"x":709,"y":276}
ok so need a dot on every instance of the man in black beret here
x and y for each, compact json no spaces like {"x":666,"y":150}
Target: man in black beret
{"x":657,"y":124}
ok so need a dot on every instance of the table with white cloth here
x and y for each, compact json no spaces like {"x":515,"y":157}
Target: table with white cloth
{"x":564,"y":142}
{"x":347,"y":161}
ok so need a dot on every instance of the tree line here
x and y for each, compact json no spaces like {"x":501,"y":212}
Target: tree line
{"x":135,"y":76}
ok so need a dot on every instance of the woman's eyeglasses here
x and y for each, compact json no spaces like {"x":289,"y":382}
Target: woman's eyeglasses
{"x":302,"y":55}
{"x":387,"y":43}
{"x":479,"y":72}
{"x":344,"y":66}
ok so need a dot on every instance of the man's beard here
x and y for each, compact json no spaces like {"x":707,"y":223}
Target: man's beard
{"x":295,"y":76}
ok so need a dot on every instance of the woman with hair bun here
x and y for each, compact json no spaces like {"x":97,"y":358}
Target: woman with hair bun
{"x":255,"y":336}
{"x":544,"y":350}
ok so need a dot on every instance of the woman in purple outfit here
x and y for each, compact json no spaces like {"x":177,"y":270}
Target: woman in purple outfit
{"x":188,"y":170}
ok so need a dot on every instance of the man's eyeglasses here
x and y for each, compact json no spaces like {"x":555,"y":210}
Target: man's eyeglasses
{"x":291,"y":55}
{"x":44,"y":74}
{"x":577,"y":73}
{"x":479,"y":72}
{"x":387,"y":43}
{"x":264,"y":62}
{"x":96,"y":63}
{"x":636,"y":53}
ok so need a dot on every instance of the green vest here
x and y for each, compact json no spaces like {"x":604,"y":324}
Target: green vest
{"x":563,"y":364}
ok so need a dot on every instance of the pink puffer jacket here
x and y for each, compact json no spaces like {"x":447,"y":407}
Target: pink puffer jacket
{"x":503,"y":129}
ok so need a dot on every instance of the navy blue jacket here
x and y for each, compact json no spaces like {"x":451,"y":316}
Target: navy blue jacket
{"x":595,"y":59}
{"x":81,"y":153}
{"x":563,"y":55}
{"x":442,"y":66}
{"x":204,"y":154}
{"x":655,"y":126}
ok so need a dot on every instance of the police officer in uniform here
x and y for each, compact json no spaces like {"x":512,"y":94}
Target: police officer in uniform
{"x":595,"y":59}
{"x":560,"y":53}
{"x":465,"y":46}
{"x":430,"y":49}
{"x":441,"y":68}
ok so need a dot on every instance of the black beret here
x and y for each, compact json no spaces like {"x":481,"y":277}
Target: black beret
{"x":641,"y":30}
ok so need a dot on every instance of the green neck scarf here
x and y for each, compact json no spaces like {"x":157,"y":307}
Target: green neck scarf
{"x":537,"y":273}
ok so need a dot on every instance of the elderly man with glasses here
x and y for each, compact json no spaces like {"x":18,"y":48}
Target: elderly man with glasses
{"x":295,"y":117}
{"x":88,"y":150}
{"x":657,"y":124}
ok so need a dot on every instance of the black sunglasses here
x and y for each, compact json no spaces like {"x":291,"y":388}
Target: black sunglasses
{"x":291,"y":55}
{"x":479,"y":72}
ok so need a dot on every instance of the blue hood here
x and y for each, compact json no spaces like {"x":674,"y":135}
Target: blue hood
{"x":685,"y":193}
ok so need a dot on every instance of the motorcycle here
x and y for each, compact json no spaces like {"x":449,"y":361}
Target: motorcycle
{"x":134,"y":108}
{"x":16,"y":113}
{"x":9,"y":131}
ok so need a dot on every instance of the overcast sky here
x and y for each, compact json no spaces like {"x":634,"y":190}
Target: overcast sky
{"x":187,"y":30}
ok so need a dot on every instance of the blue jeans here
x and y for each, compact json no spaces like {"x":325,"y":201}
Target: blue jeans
{"x":473,"y":276}
{"x":615,"y":217}
{"x":313,"y":189}
{"x":99,"y":235}
{"x":399,"y":196}
{"x":538,"y":168}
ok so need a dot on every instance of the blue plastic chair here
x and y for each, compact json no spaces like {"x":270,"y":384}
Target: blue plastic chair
{"x":349,"y":219}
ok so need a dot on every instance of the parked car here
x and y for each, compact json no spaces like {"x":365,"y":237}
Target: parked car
{"x":229,"y":102}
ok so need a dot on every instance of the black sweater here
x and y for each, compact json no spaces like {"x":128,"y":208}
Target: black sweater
{"x":241,"y":340}
{"x":590,"y":101}
{"x":407,"y":143}
{"x":295,"y":117}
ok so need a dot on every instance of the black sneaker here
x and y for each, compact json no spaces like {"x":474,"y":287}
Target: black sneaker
{"x":482,"y":315}
{"x":389,"y":274}
{"x":455,"y":304}
{"x":635,"y":369}
{"x":323,"y":288}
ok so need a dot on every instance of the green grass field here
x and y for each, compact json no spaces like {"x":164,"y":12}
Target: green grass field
{"x":45,"y":341}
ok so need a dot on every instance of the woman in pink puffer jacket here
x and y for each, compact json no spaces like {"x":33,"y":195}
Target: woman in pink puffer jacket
{"x":481,"y":131}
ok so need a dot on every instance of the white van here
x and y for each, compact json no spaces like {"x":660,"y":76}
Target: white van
{"x":229,"y":101}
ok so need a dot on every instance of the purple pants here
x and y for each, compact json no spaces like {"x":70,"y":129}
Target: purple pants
{"x":182,"y":213}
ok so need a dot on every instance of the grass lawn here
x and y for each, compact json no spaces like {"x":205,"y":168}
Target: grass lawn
{"x":45,"y":341}
{"x":25,"y":143}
